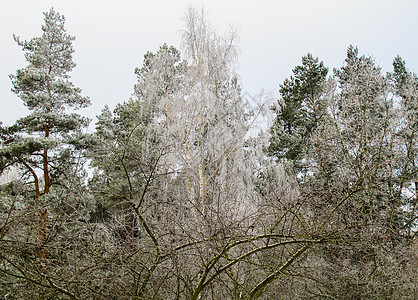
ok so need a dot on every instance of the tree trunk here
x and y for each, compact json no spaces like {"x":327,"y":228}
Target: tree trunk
{"x":43,"y":214}
{"x":45,"y":163}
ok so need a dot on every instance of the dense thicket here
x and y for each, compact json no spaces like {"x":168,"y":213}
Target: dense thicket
{"x":183,"y":203}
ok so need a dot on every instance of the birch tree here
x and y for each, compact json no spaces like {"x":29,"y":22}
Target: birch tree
{"x":199,"y":224}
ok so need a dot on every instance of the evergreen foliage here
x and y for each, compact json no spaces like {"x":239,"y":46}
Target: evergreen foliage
{"x":182,"y":204}
{"x":299,"y":110}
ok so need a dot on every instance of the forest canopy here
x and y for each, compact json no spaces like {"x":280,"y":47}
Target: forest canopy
{"x":176,"y":195}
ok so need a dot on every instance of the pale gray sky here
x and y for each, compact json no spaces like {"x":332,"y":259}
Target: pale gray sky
{"x":113,"y":36}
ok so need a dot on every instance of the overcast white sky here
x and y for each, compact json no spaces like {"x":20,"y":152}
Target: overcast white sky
{"x":113,"y":36}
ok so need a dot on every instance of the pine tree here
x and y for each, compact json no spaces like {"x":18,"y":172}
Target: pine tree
{"x":131,"y":167}
{"x":132,"y":136}
{"x":356,"y":189}
{"x":42,"y":143}
{"x":299,"y":111}
{"x":406,"y":87}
